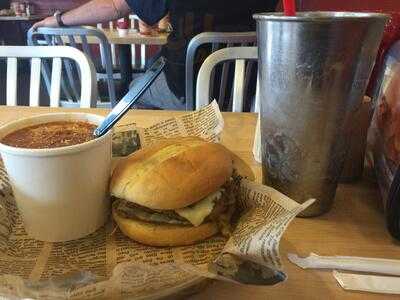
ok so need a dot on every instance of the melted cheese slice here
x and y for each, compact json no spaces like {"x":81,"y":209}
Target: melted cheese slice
{"x":197,"y":212}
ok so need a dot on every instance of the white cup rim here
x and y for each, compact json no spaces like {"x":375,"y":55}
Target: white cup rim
{"x":52,"y":151}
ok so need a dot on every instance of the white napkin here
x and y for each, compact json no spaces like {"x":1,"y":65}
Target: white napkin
{"x":356,"y":282}
{"x":368,"y":283}
{"x":351,"y":263}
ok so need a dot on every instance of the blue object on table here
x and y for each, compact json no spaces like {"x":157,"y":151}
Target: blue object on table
{"x":135,"y":92}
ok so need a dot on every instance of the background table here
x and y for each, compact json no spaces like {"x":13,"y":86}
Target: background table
{"x":354,"y":226}
{"x":134,"y":37}
{"x":124,"y":42}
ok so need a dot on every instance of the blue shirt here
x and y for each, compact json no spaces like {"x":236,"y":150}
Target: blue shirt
{"x":149,"y":11}
{"x":191,"y":17}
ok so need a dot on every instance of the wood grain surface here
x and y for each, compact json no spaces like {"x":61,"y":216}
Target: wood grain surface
{"x":132,"y":37}
{"x":355,"y":225}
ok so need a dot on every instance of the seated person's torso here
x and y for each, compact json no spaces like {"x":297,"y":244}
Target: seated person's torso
{"x":189,"y":18}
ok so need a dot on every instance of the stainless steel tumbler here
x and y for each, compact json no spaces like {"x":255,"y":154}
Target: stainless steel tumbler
{"x":313,"y":71}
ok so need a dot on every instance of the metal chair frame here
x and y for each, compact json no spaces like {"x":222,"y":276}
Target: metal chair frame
{"x":36,"y":54}
{"x":217,"y":40}
{"x":74,"y":36}
{"x":240,"y":55}
{"x":136,"y":65}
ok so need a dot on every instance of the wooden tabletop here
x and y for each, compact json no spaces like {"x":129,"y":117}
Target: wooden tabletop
{"x":132,"y":37}
{"x":355,"y":225}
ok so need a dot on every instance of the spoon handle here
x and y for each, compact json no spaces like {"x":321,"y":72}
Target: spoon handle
{"x":134,"y":93}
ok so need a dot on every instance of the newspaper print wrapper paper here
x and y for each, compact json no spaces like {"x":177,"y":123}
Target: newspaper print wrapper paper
{"x":108,"y":265}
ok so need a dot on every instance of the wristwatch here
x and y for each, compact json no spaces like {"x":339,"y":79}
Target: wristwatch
{"x":58,"y":15}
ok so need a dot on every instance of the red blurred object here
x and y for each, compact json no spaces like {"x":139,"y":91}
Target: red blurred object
{"x":289,"y":7}
{"x":146,"y":29}
{"x":391,"y":35}
{"x":123,"y":23}
{"x":392,"y":30}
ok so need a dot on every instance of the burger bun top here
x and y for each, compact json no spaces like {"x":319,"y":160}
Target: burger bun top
{"x":172,"y":173}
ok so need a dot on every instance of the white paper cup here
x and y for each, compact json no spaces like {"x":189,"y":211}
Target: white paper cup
{"x":122,"y":32}
{"x":61,"y":193}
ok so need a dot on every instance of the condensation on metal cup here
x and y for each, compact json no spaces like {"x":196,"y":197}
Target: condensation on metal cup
{"x":313,"y":69}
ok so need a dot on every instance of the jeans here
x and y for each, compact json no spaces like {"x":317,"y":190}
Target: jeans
{"x":159,"y":96}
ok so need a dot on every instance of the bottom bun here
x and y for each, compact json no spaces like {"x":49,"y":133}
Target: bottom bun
{"x":156,"y":234}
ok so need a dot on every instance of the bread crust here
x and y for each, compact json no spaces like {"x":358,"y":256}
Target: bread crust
{"x":172,"y":173}
{"x":156,"y":234}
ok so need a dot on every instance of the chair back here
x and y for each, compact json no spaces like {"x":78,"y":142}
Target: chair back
{"x":217,"y":40}
{"x":111,"y":26}
{"x":241,"y":56}
{"x":74,"y":36}
{"x":138,"y":64}
{"x":37,"y":55}
{"x":138,"y":51}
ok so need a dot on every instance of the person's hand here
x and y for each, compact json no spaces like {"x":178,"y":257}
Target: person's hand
{"x":164,"y":24}
{"x":48,"y":22}
{"x":146,"y":29}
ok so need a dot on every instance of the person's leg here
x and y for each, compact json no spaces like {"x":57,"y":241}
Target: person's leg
{"x":158,"y":95}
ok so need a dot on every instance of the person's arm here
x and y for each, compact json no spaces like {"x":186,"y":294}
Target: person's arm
{"x":93,"y":12}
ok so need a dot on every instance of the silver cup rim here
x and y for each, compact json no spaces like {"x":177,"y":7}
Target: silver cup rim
{"x":321,"y":16}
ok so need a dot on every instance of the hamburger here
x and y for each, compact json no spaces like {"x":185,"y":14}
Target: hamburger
{"x":175,"y":192}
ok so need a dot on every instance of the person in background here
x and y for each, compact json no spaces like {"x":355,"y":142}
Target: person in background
{"x":162,"y":26}
{"x":187,"y":17}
